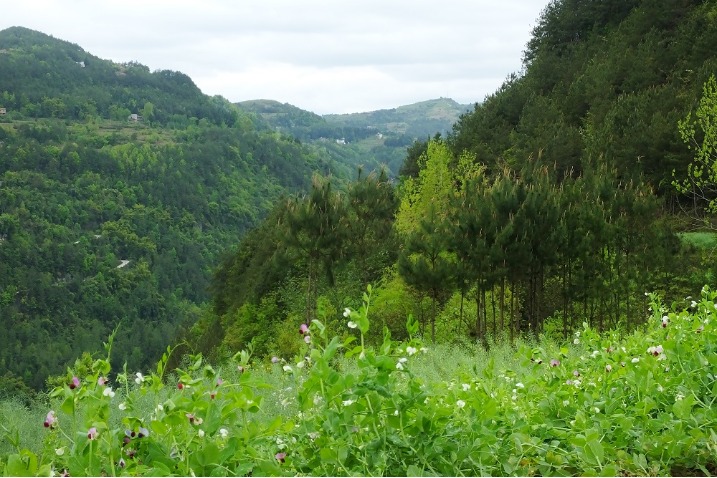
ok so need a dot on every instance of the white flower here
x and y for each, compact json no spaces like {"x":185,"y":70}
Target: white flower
{"x":60,"y":451}
{"x":108,"y":392}
{"x":287,"y":368}
{"x":519,"y":385}
{"x":635,"y":360}
{"x":566,"y":403}
{"x":693,"y":304}
{"x":679,"y":397}
{"x":660,"y":388}
{"x":223,"y":432}
{"x":160,"y":408}
{"x":595,"y":353}
{"x":139,"y":379}
{"x":347,"y":312}
{"x":466,"y":387}
{"x":424,"y":350}
{"x":352,"y":324}
{"x":200,"y":433}
{"x":300,"y":364}
{"x":399,"y":366}
{"x":307,"y":339}
{"x":411,"y":350}
{"x":318,"y":399}
{"x":460,"y":404}
{"x":313,"y":435}
{"x":597,"y":410}
{"x":122,"y":406}
{"x":576,"y":341}
{"x":348,"y":402}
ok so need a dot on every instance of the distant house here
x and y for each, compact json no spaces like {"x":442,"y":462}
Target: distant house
{"x":3,"y":111}
{"x":341,"y":141}
{"x":81,"y":63}
{"x":134,"y":117}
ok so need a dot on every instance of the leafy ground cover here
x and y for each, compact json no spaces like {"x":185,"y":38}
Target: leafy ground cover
{"x":638,"y":404}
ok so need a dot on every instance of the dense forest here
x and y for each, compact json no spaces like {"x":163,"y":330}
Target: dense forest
{"x":551,"y":202}
{"x":557,"y":200}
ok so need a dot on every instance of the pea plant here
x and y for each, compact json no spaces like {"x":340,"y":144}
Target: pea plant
{"x":604,"y":404}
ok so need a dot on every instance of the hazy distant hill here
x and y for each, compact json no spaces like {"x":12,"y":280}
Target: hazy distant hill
{"x":419,"y":119}
{"x":369,"y":139}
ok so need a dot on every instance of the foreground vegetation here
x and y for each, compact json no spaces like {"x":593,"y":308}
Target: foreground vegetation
{"x":603,"y":405}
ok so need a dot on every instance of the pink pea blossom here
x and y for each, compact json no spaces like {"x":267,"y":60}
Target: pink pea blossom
{"x":50,"y":419}
{"x":74,"y":383}
{"x":303,"y":329}
{"x":554,"y":363}
{"x":280,"y":457}
{"x":92,"y":433}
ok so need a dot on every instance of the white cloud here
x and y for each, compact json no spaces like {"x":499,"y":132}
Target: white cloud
{"x":325,"y":56}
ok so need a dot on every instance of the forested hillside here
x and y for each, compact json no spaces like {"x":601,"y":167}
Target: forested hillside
{"x":549,"y":204}
{"x":106,"y":221}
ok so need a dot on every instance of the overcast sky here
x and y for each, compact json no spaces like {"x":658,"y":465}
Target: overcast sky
{"x":325,"y":56}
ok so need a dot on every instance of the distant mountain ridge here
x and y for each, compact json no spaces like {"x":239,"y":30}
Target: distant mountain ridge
{"x":420,"y":119}
{"x":371,"y":138}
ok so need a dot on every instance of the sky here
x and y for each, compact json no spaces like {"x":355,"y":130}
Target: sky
{"x":325,"y":56}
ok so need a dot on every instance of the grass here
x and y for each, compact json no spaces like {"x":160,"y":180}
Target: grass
{"x":703,"y":240}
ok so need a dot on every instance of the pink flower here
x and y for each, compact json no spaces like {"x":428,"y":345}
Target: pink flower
{"x":92,"y":433}
{"x":665,"y":321}
{"x":102,"y":381}
{"x":608,"y":368}
{"x":554,"y":363}
{"x":74,"y":383}
{"x":219,"y":382}
{"x":576,"y":373}
{"x":50,"y":419}
{"x":280,"y":457}
{"x":304,"y":329}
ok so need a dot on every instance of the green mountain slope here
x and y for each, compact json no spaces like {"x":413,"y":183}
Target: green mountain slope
{"x":603,"y":81}
{"x":105,"y":220}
